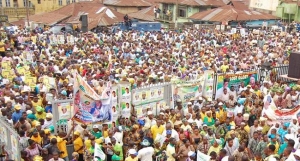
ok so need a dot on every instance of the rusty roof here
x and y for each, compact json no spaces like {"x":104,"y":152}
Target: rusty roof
{"x":146,"y":14}
{"x":196,"y":2}
{"x":229,"y":13}
{"x":127,"y":3}
{"x":239,"y":5}
{"x":98,"y":14}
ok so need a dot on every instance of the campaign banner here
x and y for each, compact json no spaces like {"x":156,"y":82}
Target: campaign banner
{"x":115,"y":105}
{"x":144,"y":96}
{"x":88,"y":105}
{"x":208,"y":84}
{"x":125,"y":99}
{"x":65,"y":110}
{"x":187,"y":90}
{"x":276,"y":114}
{"x":235,"y":80}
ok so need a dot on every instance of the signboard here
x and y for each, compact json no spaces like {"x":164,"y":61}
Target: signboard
{"x":269,"y":5}
{"x":3,"y":18}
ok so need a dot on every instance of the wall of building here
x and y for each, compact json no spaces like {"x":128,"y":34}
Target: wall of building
{"x":288,"y":12}
{"x":126,"y":10}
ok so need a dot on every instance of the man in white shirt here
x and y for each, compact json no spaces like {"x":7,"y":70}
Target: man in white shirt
{"x":220,"y":91}
{"x":173,"y":132}
{"x":147,"y":152}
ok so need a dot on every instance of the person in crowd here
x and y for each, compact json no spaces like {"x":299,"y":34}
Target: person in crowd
{"x":234,"y":113}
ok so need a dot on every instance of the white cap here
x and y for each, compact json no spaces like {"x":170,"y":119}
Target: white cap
{"x":220,"y":104}
{"x":29,"y":112}
{"x":132,"y":151}
{"x":149,"y":113}
{"x":161,"y":113}
{"x":95,"y":127}
{"x":189,"y":103}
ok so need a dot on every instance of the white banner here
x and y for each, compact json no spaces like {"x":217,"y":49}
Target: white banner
{"x":202,"y":156}
{"x":98,"y":152}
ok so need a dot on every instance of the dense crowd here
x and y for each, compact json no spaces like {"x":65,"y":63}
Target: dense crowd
{"x":230,"y":128}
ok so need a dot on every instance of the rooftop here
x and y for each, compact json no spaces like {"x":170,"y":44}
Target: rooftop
{"x":127,"y":3}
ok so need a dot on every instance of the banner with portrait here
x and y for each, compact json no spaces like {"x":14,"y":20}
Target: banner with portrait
{"x":276,"y":114}
{"x":146,"y":95}
{"x":15,"y":147}
{"x":208,"y":84}
{"x":125,"y":99}
{"x":88,"y":105}
{"x":65,"y":110}
{"x":237,"y":78}
{"x":185,"y":91}
{"x":115,"y":105}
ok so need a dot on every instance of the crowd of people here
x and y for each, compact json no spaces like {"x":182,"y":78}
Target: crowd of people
{"x":229,"y":128}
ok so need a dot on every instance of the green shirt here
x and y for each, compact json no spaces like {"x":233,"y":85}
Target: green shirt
{"x":97,"y":134}
{"x":117,"y":147}
{"x":115,"y":157}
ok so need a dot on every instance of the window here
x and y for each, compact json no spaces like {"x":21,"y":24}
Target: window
{"x":73,"y":1}
{"x":60,"y":2}
{"x":0,"y":3}
{"x":24,"y":3}
{"x":68,"y":2}
{"x":39,"y":1}
{"x":7,"y":3}
{"x":181,"y":11}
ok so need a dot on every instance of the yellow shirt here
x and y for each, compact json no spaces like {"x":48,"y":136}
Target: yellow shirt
{"x":40,"y":116}
{"x":247,"y":129}
{"x":38,"y":103}
{"x":202,"y":115}
{"x":224,"y":68}
{"x":215,"y":149}
{"x":78,"y":145}
{"x":276,"y":147}
{"x":62,"y":146}
{"x":105,"y":134}
{"x":221,"y":115}
{"x":37,"y":139}
{"x":156,"y":130}
{"x":169,"y":151}
{"x":131,"y":159}
{"x":2,"y":48}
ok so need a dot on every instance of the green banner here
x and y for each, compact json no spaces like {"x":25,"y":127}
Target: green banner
{"x":236,"y":79}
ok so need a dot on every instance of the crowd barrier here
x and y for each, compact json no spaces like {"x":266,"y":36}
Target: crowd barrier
{"x":140,"y":100}
{"x":10,"y":138}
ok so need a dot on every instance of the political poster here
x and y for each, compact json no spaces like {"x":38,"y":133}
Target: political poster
{"x":115,"y":106}
{"x":125,"y":99}
{"x":187,"y":90}
{"x":64,"y":110}
{"x":14,"y":147}
{"x":276,"y":114}
{"x":88,"y":105}
{"x":208,"y":84}
{"x":3,"y":132}
{"x":248,"y":78}
{"x":145,"y":96}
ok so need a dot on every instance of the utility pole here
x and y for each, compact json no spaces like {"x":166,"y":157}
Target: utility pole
{"x":27,"y":12}
{"x":176,"y":14}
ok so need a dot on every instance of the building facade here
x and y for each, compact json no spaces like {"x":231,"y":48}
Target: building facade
{"x":17,"y":9}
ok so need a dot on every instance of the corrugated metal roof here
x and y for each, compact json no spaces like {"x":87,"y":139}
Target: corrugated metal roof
{"x":195,"y":2}
{"x":146,"y":14}
{"x":134,"y":3}
{"x":97,"y":14}
{"x":229,"y":13}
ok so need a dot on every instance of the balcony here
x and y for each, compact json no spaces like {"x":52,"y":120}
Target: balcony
{"x":17,"y":12}
{"x":165,"y":18}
